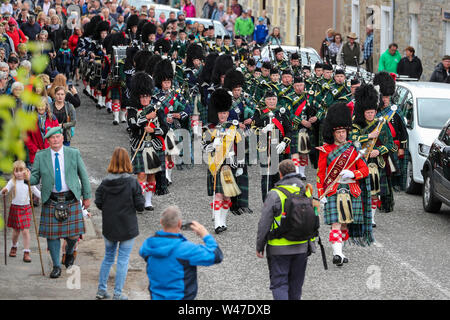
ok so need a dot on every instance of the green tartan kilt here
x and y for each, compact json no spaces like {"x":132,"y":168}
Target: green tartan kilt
{"x":399,"y":177}
{"x":138,"y":161}
{"x":203,"y":110}
{"x":386,"y":193}
{"x":294,"y":141}
{"x":210,"y":183}
{"x":331,"y":212}
{"x":115,"y":92}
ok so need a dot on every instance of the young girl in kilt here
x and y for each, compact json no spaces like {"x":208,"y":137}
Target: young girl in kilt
{"x":20,"y":211}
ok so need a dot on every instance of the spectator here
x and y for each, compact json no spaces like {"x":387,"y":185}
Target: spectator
{"x":208,"y":9}
{"x":250,"y":14}
{"x":61,"y":15}
{"x":6,"y":7}
{"x":228,"y":20}
{"x":5,"y":41}
{"x":15,"y":33}
{"x":64,"y":59}
{"x":218,"y":12}
{"x":261,"y":32}
{"x":442,"y":71}
{"x":172,"y":260}
{"x":4,"y":83}
{"x":118,"y":197}
{"x":120,"y":26}
{"x":57,"y":33}
{"x":65,"y":113}
{"x":244,"y":27}
{"x":236,"y":7}
{"x":41,"y":19}
{"x":162,"y":18}
{"x":390,"y":59}
{"x":410,"y":65}
{"x":23,"y":52}
{"x":46,"y":6}
{"x":335,"y":47}
{"x":329,"y":38}
{"x":287,"y":259}
{"x":368,"y":49}
{"x":35,"y":138}
{"x":189,"y":9}
{"x":31,"y":28}
{"x":71,"y":93}
{"x":266,"y":18}
{"x":13,"y":63}
{"x":275,"y":37}
{"x":349,"y":51}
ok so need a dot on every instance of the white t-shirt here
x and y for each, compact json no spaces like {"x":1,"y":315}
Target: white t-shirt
{"x":6,"y":8}
{"x":22,"y":197}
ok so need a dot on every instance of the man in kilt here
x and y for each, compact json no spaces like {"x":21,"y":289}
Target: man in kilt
{"x":60,"y":169}
{"x":368,"y":130}
{"x":242,"y":110}
{"x":341,"y":184}
{"x":273,"y":126}
{"x":148,"y":128}
{"x":220,"y":141}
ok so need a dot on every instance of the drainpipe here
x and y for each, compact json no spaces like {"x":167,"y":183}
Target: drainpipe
{"x":298,"y":23}
{"x":334,"y":14}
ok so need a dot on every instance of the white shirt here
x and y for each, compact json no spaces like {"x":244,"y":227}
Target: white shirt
{"x":46,"y":7}
{"x":22,"y":197}
{"x":64,"y":186}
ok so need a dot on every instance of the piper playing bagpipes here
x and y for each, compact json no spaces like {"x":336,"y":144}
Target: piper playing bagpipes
{"x":148,"y":128}
{"x":341,"y":185}
{"x":220,"y":142}
{"x":373,"y":134}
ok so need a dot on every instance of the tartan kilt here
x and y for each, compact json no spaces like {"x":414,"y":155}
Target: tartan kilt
{"x":115,"y":92}
{"x":399,"y":177}
{"x":138,"y":161}
{"x":331,"y":212}
{"x":203,"y":110}
{"x":210,"y":183}
{"x":294,"y":142}
{"x":19,"y":217}
{"x":51,"y":228}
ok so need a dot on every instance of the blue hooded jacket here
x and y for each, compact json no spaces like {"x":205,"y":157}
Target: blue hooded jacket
{"x":172,"y":263}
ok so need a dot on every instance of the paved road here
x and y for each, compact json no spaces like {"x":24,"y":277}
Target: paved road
{"x":409,"y":260}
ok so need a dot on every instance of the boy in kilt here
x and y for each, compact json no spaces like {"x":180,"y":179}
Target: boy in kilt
{"x":368,"y":130}
{"x":341,"y":184}
{"x":64,"y":180}
{"x":273,"y":126}
{"x":148,"y":128}
{"x":220,"y":143}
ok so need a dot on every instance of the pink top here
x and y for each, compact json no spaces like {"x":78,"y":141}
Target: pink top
{"x":189,"y":11}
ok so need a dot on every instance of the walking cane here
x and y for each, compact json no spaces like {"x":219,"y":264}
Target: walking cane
{"x":214,"y":195}
{"x":5,"y":228}
{"x":35,"y":227}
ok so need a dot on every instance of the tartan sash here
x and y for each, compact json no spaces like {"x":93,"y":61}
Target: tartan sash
{"x":343,"y":154}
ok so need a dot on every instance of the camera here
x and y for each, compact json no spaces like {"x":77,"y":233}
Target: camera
{"x":186,"y":226}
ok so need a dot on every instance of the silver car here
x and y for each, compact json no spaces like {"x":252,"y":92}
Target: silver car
{"x":425,"y":108}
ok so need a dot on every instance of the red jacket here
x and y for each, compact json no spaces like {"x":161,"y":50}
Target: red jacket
{"x":17,"y":36}
{"x":73,"y":41}
{"x":34,"y":141}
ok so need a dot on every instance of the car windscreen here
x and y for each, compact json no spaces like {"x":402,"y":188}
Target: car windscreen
{"x":433,"y":113}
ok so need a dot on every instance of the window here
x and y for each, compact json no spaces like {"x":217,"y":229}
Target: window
{"x":355,"y":17}
{"x":447,"y":37}
{"x":386,"y":33}
{"x":408,"y":111}
{"x":398,"y":96}
{"x":433,"y":112}
{"x":414,"y":39}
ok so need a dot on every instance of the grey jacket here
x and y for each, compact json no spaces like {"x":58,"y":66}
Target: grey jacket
{"x":271,"y":209}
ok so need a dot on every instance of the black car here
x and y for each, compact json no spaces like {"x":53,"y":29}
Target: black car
{"x":436,"y":173}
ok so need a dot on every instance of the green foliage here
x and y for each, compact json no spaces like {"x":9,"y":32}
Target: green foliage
{"x":14,"y":129}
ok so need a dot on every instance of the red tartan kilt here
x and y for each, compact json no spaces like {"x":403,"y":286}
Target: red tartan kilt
{"x":19,"y":217}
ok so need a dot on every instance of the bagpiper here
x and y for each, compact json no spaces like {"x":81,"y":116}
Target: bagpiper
{"x":273,"y":126}
{"x":373,"y":133}
{"x":220,"y":141}
{"x":342,"y":187}
{"x":148,"y":128}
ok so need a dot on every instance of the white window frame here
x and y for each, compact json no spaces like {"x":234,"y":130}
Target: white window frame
{"x":387,"y":27}
{"x":447,"y":37}
{"x":356,"y":13}
{"x":414,"y":32}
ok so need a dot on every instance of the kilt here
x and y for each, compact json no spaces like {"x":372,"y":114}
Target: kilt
{"x":51,"y":228}
{"x":331,"y":212}
{"x":19,"y":217}
{"x":294,"y":142}
{"x":203,"y":110}
{"x":114,"y":92}
{"x":242,"y":182}
{"x":210,"y":183}
{"x":138,"y":161}
{"x":399,"y":177}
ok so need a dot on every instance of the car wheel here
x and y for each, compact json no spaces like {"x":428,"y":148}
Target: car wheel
{"x":430,"y":203}
{"x":411,"y":186}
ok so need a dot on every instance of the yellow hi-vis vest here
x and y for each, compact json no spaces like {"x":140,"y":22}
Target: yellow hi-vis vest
{"x":277,"y":220}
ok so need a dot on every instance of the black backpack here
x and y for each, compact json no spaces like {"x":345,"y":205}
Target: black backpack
{"x":300,"y":222}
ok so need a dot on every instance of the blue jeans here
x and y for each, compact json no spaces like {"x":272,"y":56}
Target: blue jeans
{"x":123,"y":257}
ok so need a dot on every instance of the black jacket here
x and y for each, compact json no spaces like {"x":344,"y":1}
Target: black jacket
{"x":412,"y":69}
{"x":119,"y":196}
{"x":439,"y":74}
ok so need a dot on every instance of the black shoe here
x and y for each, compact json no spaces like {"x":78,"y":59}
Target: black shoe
{"x":218,"y":230}
{"x":150,"y":208}
{"x":115,"y":123}
{"x":337,"y":260}
{"x":98,"y":106}
{"x":303,"y":178}
{"x":345,"y":260}
{"x":86,"y":92}
{"x":68,"y":262}
{"x":374,"y":225}
{"x":56,"y":273}
{"x":109,"y":110}
{"x":224,"y":228}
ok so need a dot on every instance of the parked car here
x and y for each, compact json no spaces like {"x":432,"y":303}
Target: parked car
{"x":309,"y":55}
{"x":436,"y":173}
{"x":424,"y":107}
{"x":158,"y":7}
{"x":219,"y":29}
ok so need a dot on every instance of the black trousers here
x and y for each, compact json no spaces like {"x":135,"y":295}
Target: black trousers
{"x":287,"y":274}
